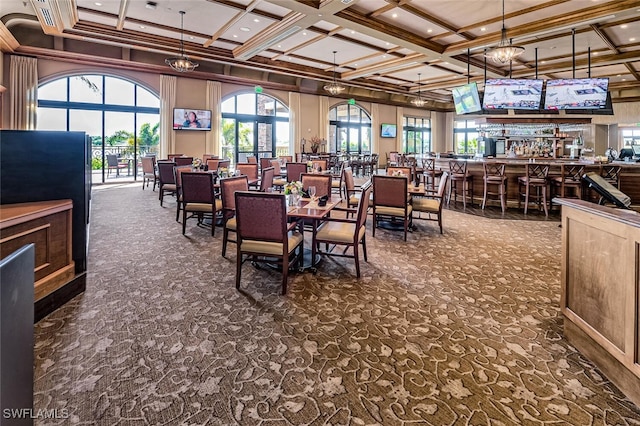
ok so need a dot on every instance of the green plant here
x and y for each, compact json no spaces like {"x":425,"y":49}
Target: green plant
{"x":96,"y":164}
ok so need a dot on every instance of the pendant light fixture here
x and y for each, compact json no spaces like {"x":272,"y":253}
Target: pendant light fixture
{"x":505,"y":51}
{"x":334,"y":88}
{"x":418,"y":102}
{"x":181,"y":63}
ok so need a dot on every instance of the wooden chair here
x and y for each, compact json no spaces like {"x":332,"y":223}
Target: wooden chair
{"x":198,"y":198}
{"x":249,"y":170}
{"x":430,"y":173}
{"x":149,"y":171}
{"x":319,"y":165}
{"x":265,"y":162}
{"x":113,"y":163}
{"x":172,"y":156}
{"x":266,"y":179}
{"x":494,"y":175}
{"x":228,"y":188}
{"x":212,"y":163}
{"x":569,"y":183}
{"x":206,"y":157}
{"x":264,"y":234}
{"x":536,"y":178}
{"x":391,"y":201}
{"x":432,"y":202}
{"x":224,"y":164}
{"x":458,"y":174}
{"x":352,"y":194}
{"x":286,"y":158}
{"x":294,"y":170}
{"x":611,"y":174}
{"x":177,"y":171}
{"x":183,"y":161}
{"x":251,"y":159}
{"x":166,"y":179}
{"x":321,"y":182}
{"x":278,"y":180}
{"x":334,"y":232}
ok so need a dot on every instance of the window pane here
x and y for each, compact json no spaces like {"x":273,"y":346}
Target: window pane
{"x":148,"y":133}
{"x":333,"y":114}
{"x":54,"y":119}
{"x":365,"y":131}
{"x":365,"y":117}
{"x":342,"y":112}
{"x":411,"y":121}
{"x":282,"y":138}
{"x":247,"y":104}
{"x":460,"y":124}
{"x":146,"y":99}
{"x":86,"y":88}
{"x":229,"y":105}
{"x":266,"y":105}
{"x":332,"y":138}
{"x":89,"y":122}
{"x":228,"y":138}
{"x":281,"y":110}
{"x":118,"y":130}
{"x":54,"y":91}
{"x":354,"y":114}
{"x":353,"y":140}
{"x":118,"y":91}
{"x":460,"y":145}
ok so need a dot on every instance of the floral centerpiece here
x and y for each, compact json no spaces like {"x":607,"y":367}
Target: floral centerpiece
{"x":316,"y":143}
{"x":196,"y":163}
{"x":397,"y":173}
{"x":223,"y":171}
{"x":294,"y":187}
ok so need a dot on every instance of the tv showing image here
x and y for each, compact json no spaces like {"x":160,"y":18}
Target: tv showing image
{"x":576,"y":93}
{"x":387,"y":130}
{"x":466,"y":99}
{"x":191,"y":119}
{"x":511,"y":93}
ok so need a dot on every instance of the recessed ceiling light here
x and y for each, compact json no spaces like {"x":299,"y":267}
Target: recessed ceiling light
{"x":142,"y":27}
{"x":320,"y":14}
{"x":624,"y":79}
{"x":191,"y":37}
{"x":632,"y":39}
{"x":304,"y":33}
{"x":245,"y":29}
{"x":429,"y":30}
{"x":355,"y":65}
{"x":98,"y":4}
{"x":256,"y":20}
{"x":384,"y":56}
{"x":483,"y":29}
{"x":235,"y":36}
{"x":353,"y":32}
{"x":395,"y":15}
{"x":279,"y":46}
{"x":595,"y":53}
{"x":387,"y":43}
{"x":543,"y":62}
{"x":624,"y":26}
{"x":619,"y":75}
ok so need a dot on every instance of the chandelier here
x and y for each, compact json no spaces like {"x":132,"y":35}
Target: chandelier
{"x":418,"y":102}
{"x":334,"y":88}
{"x":181,"y":63}
{"x":505,"y":52}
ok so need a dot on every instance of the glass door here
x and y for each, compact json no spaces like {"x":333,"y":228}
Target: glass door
{"x":246,"y":140}
{"x":264,"y":140}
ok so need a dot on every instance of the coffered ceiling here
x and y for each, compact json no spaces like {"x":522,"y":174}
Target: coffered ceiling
{"x":382,"y":45}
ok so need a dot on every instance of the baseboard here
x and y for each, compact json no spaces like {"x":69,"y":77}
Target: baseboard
{"x":53,"y":301}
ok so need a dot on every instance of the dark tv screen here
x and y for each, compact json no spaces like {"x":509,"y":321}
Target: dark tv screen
{"x":466,"y":99}
{"x":388,"y":130}
{"x":512,"y":93}
{"x":191,"y":119}
{"x":576,"y":93}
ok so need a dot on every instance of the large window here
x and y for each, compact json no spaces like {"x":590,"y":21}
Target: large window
{"x":254,"y":124}
{"x":416,"y":135}
{"x":630,"y":136}
{"x":349,"y":129}
{"x":465,"y":135}
{"x":121,"y":118}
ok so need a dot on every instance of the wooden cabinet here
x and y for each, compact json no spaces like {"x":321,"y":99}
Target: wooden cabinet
{"x":46,"y":224}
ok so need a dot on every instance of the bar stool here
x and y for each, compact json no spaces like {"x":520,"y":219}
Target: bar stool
{"x":429,"y":172}
{"x":536,"y":177}
{"x":458,"y":173}
{"x":570,"y":179}
{"x":494,"y":175}
{"x":611,"y":174}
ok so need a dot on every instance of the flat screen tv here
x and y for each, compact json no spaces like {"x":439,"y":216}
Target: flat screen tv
{"x":388,"y":130}
{"x":191,"y":119}
{"x":576,"y":93}
{"x":466,"y":99}
{"x":511,"y":93}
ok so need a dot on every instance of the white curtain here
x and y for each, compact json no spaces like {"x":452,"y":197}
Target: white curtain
{"x":375,"y":127}
{"x":323,"y":119}
{"x":399,"y":133}
{"x":214,"y":103}
{"x":295,"y":123}
{"x":23,"y":92}
{"x":168,"y":84}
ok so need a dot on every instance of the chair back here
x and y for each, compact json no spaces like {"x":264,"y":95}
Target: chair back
{"x":442,"y":186}
{"x":206,"y":157}
{"x":197,"y":187}
{"x":266,"y":178}
{"x":393,"y":158}
{"x":178,"y":171}
{"x":172,"y":156}
{"x":319,"y":164}
{"x":228,"y":189}
{"x":349,"y":184}
{"x":321,"y":182}
{"x":212,"y":163}
{"x":494,"y":169}
{"x":261,"y":216}
{"x":458,"y":168}
{"x":165,"y":172}
{"x":572,"y":171}
{"x":224,"y":163}
{"x":277,"y":170}
{"x":294,"y":170}
{"x":247,"y":169}
{"x":148,"y":165}
{"x":363,"y":205}
{"x":286,"y":158}
{"x":406,"y":171}
{"x":390,"y":191}
{"x":265,"y":162}
{"x":251,"y":159}
{"x":183,"y":161}
{"x":611,"y":174}
{"x":537,"y":171}
{"x":112,"y":160}
{"x":428,"y":165}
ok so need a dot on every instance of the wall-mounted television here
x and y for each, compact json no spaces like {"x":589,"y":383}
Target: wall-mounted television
{"x":466,"y":99}
{"x":576,"y":93}
{"x":191,"y":119}
{"x":512,"y":93}
{"x":388,"y":130}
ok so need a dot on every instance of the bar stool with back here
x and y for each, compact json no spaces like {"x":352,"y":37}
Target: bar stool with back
{"x":458,"y":173}
{"x":536,"y":178}
{"x":429,"y":172}
{"x":494,"y":175}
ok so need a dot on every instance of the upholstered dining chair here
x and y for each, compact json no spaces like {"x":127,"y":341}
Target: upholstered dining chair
{"x":294,"y":170}
{"x":250,"y":170}
{"x":286,"y":158}
{"x":113,"y":163}
{"x":405,"y":171}
{"x":198,"y":198}
{"x":266,"y":179}
{"x":224,"y":164}
{"x":321,"y":182}
{"x":352,"y":193}
{"x":319,"y":164}
{"x":263,"y":233}
{"x":183,"y":161}
{"x":432,"y":202}
{"x":391,"y":201}
{"x":278,"y":180}
{"x":265,"y":162}
{"x":149,"y":171}
{"x":334,"y":232}
{"x":166,"y":179}
{"x":251,"y":159}
{"x":206,"y":157}
{"x":212,"y":164}
{"x":177,"y":171}
{"x":228,"y":189}
{"x":172,"y":156}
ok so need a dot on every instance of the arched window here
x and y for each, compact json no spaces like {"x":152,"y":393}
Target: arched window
{"x":121,"y":118}
{"x":349,"y":129}
{"x":254,"y":124}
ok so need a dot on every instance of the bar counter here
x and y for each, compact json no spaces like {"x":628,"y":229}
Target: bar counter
{"x":515,"y":167}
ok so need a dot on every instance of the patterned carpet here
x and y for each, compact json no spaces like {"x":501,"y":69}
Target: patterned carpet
{"x":460,"y":328}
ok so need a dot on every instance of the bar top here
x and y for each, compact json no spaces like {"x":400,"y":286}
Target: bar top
{"x":14,"y":214}
{"x":629,"y":217}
